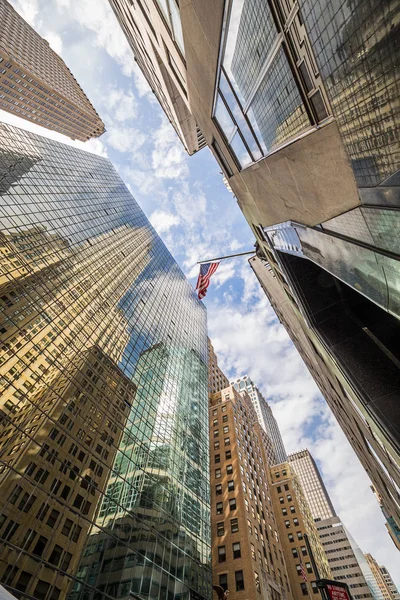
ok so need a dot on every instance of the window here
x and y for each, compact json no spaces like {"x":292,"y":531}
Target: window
{"x":217,"y":458}
{"x":284,"y":473}
{"x":295,"y":553}
{"x":249,"y":526}
{"x":220,"y":529}
{"x":217,"y":473}
{"x":232,"y":504}
{"x":221,"y":554}
{"x":228,"y":454}
{"x":51,"y":521}
{"x":215,"y":422}
{"x":290,"y":536}
{"x":41,"y":590}
{"x":231,"y":486}
{"x":287,"y":524}
{"x":286,"y":487}
{"x":234,"y":525}
{"x":27,"y":502}
{"x":225,"y":419}
{"x":216,"y":432}
{"x":284,"y":511}
{"x":304,"y":551}
{"x":218,"y":489}
{"x":279,"y":490}
{"x":239,"y":581}
{"x":223,"y":581}
{"x":308,"y":567}
{"x":304,"y":589}
{"x":257,"y":582}
{"x":253,"y":552}
{"x":23,"y":581}
{"x":67,"y":527}
{"x":219,"y":507}
{"x":314,"y":587}
{"x":55,"y":556}
{"x":295,"y":522}
{"x":216,"y":445}
{"x":289,"y":497}
{"x":292,"y":509}
{"x":226,"y":429}
{"x":40,"y":546}
{"x":227,"y":441}
{"x":299,"y":535}
{"x":236,"y":550}
{"x":282,"y":500}
{"x":229,"y":469}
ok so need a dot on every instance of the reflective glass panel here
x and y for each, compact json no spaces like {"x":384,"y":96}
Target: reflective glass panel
{"x":103,"y":387}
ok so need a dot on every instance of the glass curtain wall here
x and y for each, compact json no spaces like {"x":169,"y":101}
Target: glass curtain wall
{"x":103,"y":388}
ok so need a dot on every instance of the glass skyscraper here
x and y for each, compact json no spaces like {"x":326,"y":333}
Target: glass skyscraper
{"x":103,"y":388}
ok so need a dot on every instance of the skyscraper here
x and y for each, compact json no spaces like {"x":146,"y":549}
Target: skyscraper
{"x":313,"y":486}
{"x":294,"y":520}
{"x":272,"y":86}
{"x":103,"y":394}
{"x":217,"y":381}
{"x":383,"y":579}
{"x":37,"y":85}
{"x":344,"y":555}
{"x":264,"y":414}
{"x":247,"y":550}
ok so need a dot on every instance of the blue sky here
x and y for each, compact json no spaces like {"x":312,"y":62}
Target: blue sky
{"x":198,"y":218}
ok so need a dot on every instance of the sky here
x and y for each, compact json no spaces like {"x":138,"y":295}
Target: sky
{"x":198,"y":218}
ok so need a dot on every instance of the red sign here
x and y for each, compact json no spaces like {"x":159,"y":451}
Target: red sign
{"x":336,"y":592}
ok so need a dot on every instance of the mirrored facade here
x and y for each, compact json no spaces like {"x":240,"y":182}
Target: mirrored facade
{"x":103,"y":389}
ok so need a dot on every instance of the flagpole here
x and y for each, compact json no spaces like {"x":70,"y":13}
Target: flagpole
{"x":202,"y":262}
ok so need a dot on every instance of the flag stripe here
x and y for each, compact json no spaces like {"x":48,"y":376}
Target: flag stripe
{"x":203,"y":281}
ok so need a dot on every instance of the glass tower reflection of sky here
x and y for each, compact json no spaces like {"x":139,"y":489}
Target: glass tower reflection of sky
{"x":103,"y":395}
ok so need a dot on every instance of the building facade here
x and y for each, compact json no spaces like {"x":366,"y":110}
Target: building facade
{"x":217,"y":381}
{"x":264,"y":414}
{"x":314,"y":488}
{"x":294,"y":520}
{"x":272,"y":85}
{"x":383,"y":579}
{"x":344,"y":556}
{"x":103,"y":394}
{"x":247,"y":553}
{"x":36,"y":84}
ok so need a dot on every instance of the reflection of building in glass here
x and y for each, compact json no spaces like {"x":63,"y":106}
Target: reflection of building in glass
{"x":37,"y":85}
{"x":264,"y":414}
{"x":98,"y":326}
{"x":159,"y":483}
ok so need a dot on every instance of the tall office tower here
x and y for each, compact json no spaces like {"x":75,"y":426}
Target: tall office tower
{"x":340,"y":548}
{"x":36,"y":84}
{"x":217,"y":381}
{"x":383,"y":579}
{"x":314,"y":488}
{"x":264,"y":414}
{"x":247,"y":554}
{"x":294,"y":520}
{"x":103,"y":393}
{"x":272,"y":85}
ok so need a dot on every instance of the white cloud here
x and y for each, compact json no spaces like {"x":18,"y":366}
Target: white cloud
{"x":28,"y":9}
{"x":55,"y":42}
{"x":168,"y":157}
{"x":99,"y":18}
{"x":122,"y":105}
{"x":124,"y":139}
{"x":163,"y":221}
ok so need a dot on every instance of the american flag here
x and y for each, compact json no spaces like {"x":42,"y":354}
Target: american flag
{"x":303,"y":570}
{"x":206,"y":270}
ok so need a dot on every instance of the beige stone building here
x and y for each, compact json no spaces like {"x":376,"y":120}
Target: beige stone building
{"x":36,"y":84}
{"x":383,"y":579}
{"x":247,"y":551}
{"x":281,"y":92}
{"x":216,"y":378}
{"x":294,"y":520}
